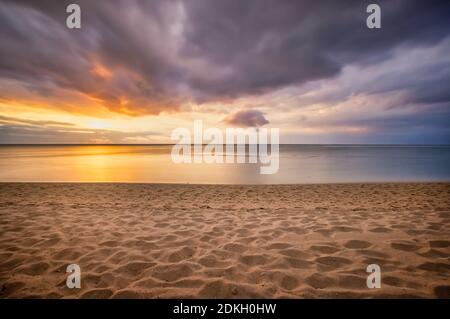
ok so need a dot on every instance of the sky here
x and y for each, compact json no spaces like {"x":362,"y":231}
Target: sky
{"x":136,"y":70}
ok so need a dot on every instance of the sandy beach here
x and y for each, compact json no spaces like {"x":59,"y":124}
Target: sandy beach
{"x":215,"y":241}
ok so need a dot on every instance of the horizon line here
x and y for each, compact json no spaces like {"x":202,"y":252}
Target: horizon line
{"x":171,"y":144}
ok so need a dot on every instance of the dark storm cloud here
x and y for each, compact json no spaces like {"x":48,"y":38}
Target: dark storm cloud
{"x":269,"y":44}
{"x":247,"y":118}
{"x":164,"y":52}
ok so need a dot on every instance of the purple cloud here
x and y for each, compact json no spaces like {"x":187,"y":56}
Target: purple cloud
{"x":247,"y":118}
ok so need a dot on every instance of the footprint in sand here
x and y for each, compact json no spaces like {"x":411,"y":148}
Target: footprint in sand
{"x":181,"y":254}
{"x":10,"y":288}
{"x":35,"y":269}
{"x":97,"y":294}
{"x":278,"y":246}
{"x":357,"y":244}
{"x":48,"y":242}
{"x":253,"y":260}
{"x":289,"y":282}
{"x":439,"y":243}
{"x":433,"y":253}
{"x":319,"y":281}
{"x":298,"y":263}
{"x":295,"y":253}
{"x":436,"y":267}
{"x":405,"y":246}
{"x":442,"y":292}
{"x":352,"y":282}
{"x":135,"y":268}
{"x":325,"y":249}
{"x":172,"y":272}
{"x":330,"y":262}
{"x":344,"y":229}
{"x":373,"y":253}
{"x":380,"y":230}
{"x":392,"y":281}
{"x":325,"y":232}
{"x":235,"y":247}
{"x":211,"y":262}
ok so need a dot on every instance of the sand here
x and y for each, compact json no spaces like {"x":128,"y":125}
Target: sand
{"x":203,"y":241}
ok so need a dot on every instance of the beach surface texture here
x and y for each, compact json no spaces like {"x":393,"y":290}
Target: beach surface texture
{"x":216,"y":241}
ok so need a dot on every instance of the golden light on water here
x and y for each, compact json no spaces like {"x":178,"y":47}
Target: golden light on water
{"x":102,"y":163}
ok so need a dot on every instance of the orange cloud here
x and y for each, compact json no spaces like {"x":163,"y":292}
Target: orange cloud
{"x":102,"y":71}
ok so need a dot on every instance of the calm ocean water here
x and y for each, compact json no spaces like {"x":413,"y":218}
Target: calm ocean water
{"x":152,"y":163}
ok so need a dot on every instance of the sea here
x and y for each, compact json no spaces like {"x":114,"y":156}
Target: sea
{"x":297,"y":164}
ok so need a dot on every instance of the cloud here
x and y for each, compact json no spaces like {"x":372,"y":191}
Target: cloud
{"x":15,"y":120}
{"x":158,"y":55}
{"x":311,"y":65}
{"x":402,"y":99}
{"x":23,"y":131}
{"x":43,"y":58}
{"x":247,"y":118}
{"x":263,"y":45}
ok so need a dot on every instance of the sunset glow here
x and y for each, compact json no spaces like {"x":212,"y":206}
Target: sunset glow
{"x":160,"y":66}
